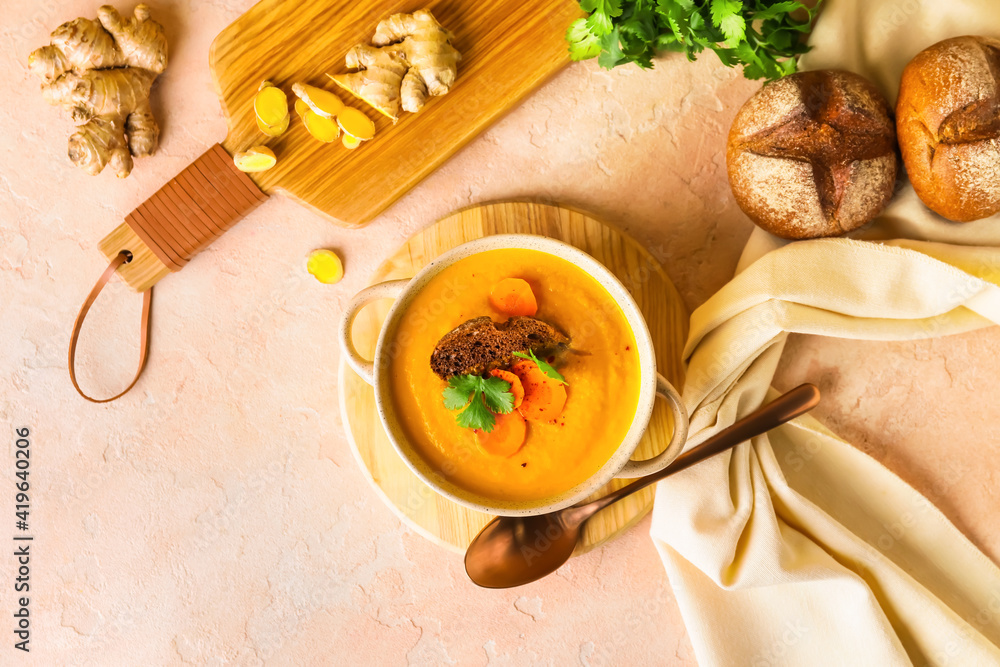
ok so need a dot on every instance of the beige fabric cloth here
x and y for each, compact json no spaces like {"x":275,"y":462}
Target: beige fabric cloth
{"x":798,"y":549}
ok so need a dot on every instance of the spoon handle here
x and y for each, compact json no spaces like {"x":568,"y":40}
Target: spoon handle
{"x":786,"y":407}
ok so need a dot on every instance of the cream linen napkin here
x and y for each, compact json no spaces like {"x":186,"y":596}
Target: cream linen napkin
{"x":798,"y":549}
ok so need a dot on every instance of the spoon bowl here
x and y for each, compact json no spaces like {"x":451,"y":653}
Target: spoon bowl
{"x":521,"y":550}
{"x":512,"y":551}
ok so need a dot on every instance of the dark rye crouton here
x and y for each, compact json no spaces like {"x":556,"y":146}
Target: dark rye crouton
{"x":480,"y":345}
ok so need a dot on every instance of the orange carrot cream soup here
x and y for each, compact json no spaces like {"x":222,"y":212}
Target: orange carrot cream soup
{"x":515,"y":373}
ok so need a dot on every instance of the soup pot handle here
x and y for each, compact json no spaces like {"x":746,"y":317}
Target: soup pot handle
{"x":680,"y":418}
{"x":387,"y":290}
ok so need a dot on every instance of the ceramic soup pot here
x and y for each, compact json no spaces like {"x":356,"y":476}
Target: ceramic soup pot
{"x":652,"y":384}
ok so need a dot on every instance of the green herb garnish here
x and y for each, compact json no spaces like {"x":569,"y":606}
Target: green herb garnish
{"x":481,"y":397}
{"x":544,"y":367}
{"x":761,"y":35}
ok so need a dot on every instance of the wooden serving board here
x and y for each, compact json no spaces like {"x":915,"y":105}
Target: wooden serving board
{"x":509,"y":48}
{"x":437,"y":518}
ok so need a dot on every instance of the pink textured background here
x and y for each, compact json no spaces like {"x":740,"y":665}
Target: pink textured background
{"x":215,"y":514}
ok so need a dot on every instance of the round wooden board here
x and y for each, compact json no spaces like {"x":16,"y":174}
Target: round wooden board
{"x":437,"y":518}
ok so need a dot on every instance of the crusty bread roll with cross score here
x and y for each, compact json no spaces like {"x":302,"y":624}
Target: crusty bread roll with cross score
{"x":813,"y":154}
{"x":948,"y":120}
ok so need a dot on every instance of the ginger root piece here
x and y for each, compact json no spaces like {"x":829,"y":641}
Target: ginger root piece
{"x":270,"y":105}
{"x":276,"y":130}
{"x":325,"y":266}
{"x":101,"y":71}
{"x":322,"y":102}
{"x":257,"y":158}
{"x":301,"y":108}
{"x":355,"y":123}
{"x":410,"y":58}
{"x":350,"y":142}
{"x":321,"y":127}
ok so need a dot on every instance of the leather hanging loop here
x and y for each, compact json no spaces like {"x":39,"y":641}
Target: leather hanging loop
{"x":123,"y":257}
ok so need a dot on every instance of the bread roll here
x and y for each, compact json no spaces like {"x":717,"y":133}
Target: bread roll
{"x":813,"y":154}
{"x":948,"y":120}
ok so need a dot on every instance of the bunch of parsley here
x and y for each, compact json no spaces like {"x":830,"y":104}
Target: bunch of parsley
{"x":761,"y":35}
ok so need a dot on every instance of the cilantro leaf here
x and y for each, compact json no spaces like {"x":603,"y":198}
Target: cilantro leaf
{"x":478,"y":398}
{"x":458,"y":391}
{"x":720,"y":10}
{"x":583,"y":44}
{"x":601,"y":14}
{"x":734,"y":27}
{"x":544,"y":367}
{"x":612,"y":8}
{"x":762,"y":35}
{"x":611,"y":54}
{"x":477,"y":416}
{"x":496,"y":393}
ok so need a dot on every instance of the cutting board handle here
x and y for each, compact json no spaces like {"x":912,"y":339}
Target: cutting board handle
{"x":182,"y":218}
{"x":160,"y":236}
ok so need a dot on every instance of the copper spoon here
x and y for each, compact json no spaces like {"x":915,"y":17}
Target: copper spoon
{"x":515,"y":550}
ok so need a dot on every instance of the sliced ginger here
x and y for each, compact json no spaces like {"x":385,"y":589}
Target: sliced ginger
{"x":355,"y":123}
{"x":301,"y":108}
{"x":258,"y":158}
{"x":325,"y":266}
{"x":271,"y":107}
{"x":322,"y":102}
{"x":275,"y":131}
{"x":321,"y":127}
{"x":350,"y":142}
{"x":411,"y":57}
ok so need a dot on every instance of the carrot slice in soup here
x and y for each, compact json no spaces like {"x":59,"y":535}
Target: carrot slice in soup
{"x":513,"y":296}
{"x":544,"y":398}
{"x":516,"y":388}
{"x":507,"y":435}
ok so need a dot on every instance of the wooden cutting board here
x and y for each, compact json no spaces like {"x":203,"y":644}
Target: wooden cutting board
{"x":509,"y":48}
{"x":437,"y":518}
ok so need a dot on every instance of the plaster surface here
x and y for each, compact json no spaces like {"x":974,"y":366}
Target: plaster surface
{"x":215,"y":515}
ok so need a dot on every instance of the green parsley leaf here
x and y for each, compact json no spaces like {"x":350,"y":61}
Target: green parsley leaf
{"x":480,"y":397}
{"x":601,"y":14}
{"x":459,"y":390}
{"x":477,"y":416}
{"x":496,"y":393}
{"x":777,"y":9}
{"x":583,"y":44}
{"x":734,"y":27}
{"x":611,"y":53}
{"x":764,"y":36}
{"x":544,"y":367}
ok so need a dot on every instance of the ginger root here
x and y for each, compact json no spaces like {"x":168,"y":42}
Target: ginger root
{"x":101,"y":71}
{"x":301,"y":108}
{"x":410,"y":58}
